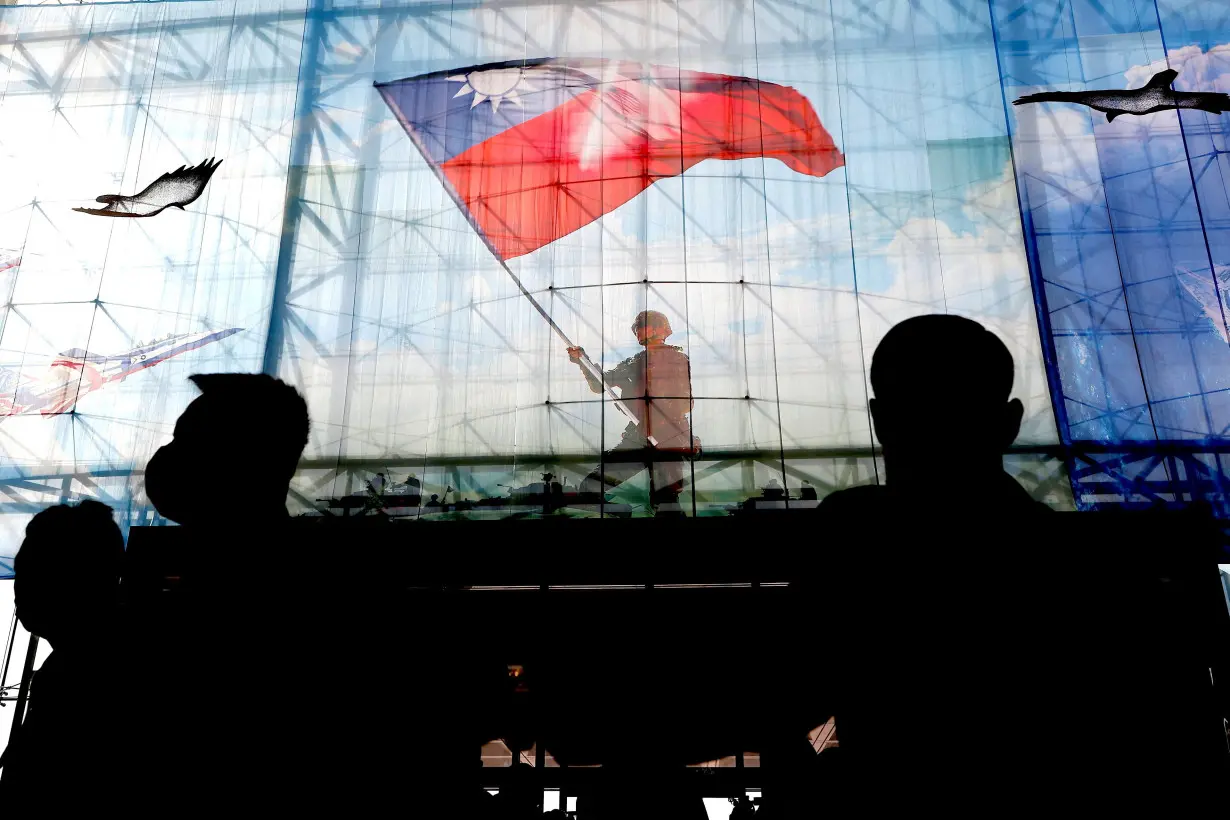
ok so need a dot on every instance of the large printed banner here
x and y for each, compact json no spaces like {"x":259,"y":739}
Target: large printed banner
{"x":412,"y":212}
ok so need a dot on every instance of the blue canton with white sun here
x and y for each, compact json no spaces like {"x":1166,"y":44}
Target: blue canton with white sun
{"x":452,"y":112}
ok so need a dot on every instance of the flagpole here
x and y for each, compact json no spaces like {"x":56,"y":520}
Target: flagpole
{"x":586,"y":363}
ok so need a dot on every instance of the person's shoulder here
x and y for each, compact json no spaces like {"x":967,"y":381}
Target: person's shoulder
{"x":669,"y":354}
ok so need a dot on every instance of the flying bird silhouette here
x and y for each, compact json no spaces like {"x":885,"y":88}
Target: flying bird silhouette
{"x":175,"y":189}
{"x":1157,"y":95}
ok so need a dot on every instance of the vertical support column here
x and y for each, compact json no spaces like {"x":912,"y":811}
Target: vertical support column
{"x":296,"y":176}
{"x":1050,"y":355}
{"x":356,"y":229}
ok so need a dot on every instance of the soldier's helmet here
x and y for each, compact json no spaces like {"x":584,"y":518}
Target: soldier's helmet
{"x":653,"y":319}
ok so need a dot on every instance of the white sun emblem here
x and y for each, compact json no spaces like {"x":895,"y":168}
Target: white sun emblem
{"x":495,"y":84}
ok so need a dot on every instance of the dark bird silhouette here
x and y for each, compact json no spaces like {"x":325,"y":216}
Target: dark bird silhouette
{"x":1157,"y":95}
{"x":176,"y":189}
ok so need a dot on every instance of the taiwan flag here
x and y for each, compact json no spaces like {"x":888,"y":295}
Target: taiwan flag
{"x":534,"y":150}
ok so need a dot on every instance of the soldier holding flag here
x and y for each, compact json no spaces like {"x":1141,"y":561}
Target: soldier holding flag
{"x":532,"y":150}
{"x":656,"y":387}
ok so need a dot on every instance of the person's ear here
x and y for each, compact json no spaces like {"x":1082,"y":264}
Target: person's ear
{"x":1014,"y":412}
{"x":879,"y":419}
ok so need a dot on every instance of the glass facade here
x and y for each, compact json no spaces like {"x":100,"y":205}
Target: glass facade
{"x":326,"y":249}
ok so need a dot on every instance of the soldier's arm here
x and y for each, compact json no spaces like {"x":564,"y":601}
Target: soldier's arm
{"x":577,"y":356}
{"x":620,"y":375}
{"x":595,"y":384}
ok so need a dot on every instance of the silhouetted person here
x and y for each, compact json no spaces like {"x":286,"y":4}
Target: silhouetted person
{"x":242,"y":424}
{"x":942,"y":411}
{"x":656,"y":387}
{"x":414,"y":490}
{"x":773,"y":491}
{"x":265,"y":721}
{"x":231,"y":661}
{"x":982,"y":649}
{"x":71,"y":747}
{"x":914,"y":643}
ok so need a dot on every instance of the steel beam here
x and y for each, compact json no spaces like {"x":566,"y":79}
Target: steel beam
{"x":296,"y":178}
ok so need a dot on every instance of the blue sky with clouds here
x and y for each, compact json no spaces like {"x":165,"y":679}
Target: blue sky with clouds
{"x":402,"y":325}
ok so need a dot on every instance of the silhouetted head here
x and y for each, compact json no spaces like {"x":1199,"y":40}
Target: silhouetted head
{"x":235,"y":451}
{"x":941,"y":388}
{"x":67,"y":571}
{"x":651,"y":327}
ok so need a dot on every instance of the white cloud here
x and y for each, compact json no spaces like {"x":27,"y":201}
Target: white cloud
{"x":982,"y":275}
{"x":1199,"y":70}
{"x":1055,"y":142}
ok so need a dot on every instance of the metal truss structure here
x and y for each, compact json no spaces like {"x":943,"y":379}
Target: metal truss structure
{"x":1126,"y":234}
{"x":332,"y":227}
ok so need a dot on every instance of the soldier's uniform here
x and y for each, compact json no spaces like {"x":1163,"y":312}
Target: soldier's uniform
{"x":656,"y":387}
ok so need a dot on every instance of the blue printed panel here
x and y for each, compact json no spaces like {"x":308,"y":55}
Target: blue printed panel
{"x":1126,"y":220}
